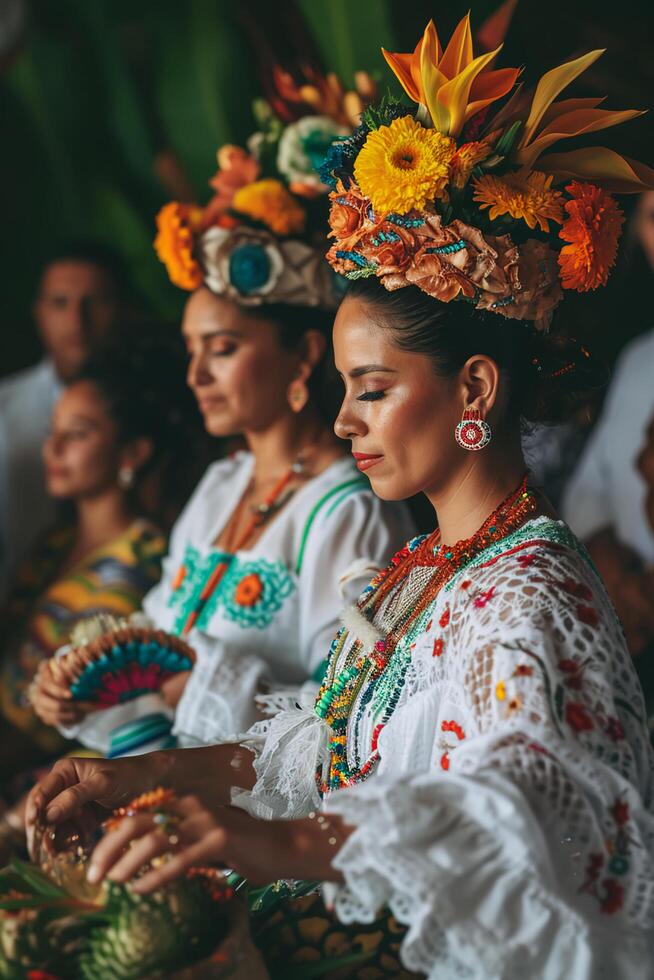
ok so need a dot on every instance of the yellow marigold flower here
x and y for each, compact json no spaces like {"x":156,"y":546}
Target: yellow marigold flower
{"x":268,"y":201}
{"x":176,"y":226}
{"x":528,"y":197}
{"x":465,"y":159}
{"x":403,"y":166}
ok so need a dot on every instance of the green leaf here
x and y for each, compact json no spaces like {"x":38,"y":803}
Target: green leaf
{"x":507,"y":140}
{"x":37,"y":880}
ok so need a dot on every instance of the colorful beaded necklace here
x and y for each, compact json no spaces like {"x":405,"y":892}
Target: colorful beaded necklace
{"x":340,"y":691}
{"x":260,"y":514}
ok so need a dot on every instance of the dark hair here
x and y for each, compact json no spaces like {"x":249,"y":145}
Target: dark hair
{"x":548,"y":376}
{"x":143,"y":384}
{"x":292,"y":324}
{"x":88,"y":252}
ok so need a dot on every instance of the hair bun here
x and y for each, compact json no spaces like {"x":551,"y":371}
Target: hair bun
{"x":563,"y":375}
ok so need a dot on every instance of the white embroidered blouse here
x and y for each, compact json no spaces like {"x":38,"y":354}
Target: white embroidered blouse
{"x":269,"y":623}
{"x":508,"y":818}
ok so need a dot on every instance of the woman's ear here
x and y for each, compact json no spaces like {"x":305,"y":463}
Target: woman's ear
{"x":312,"y":351}
{"x":137,"y":453}
{"x":480,"y":377}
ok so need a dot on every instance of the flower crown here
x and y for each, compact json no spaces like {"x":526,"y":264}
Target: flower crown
{"x":260,"y":239}
{"x":456,"y":197}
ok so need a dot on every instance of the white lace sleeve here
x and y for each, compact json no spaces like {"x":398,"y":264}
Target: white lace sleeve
{"x":509,"y":824}
{"x":288,"y":750}
{"x":219,"y":699}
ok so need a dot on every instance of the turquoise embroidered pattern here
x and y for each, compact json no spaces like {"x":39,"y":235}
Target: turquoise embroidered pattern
{"x":249,"y":608}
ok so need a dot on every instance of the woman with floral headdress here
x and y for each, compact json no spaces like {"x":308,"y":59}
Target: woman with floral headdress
{"x":275,"y":535}
{"x":477,"y":762}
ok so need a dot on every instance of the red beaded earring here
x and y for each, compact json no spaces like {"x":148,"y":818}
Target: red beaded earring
{"x":473,"y":432}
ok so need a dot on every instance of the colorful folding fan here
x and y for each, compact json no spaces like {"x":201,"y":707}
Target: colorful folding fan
{"x":120,"y":664}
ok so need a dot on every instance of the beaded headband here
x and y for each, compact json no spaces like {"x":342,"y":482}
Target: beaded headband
{"x":260,"y":239}
{"x":456,"y":197}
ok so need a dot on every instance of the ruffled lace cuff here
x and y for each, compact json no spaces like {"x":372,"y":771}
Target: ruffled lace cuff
{"x":219,"y":698}
{"x":288,"y":750}
{"x":471,"y":883}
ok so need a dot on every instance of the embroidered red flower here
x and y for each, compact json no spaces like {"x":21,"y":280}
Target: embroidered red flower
{"x":613,"y":898}
{"x":466,"y":584}
{"x":445,"y":618}
{"x":614,"y":728}
{"x":525,"y":560}
{"x":578,"y":717}
{"x":453,"y":726}
{"x":523,"y":670}
{"x":483,"y":599}
{"x":620,"y":812}
{"x":588,"y":615}
{"x":568,"y":666}
{"x":445,"y":761}
{"x":438,"y":647}
{"x":577,"y":589}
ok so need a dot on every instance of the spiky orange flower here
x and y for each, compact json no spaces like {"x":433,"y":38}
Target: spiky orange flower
{"x":529,"y":198}
{"x":593,"y":229}
{"x":176,"y":225}
{"x":465,"y":159}
{"x":404,"y":165}
{"x":268,"y":201}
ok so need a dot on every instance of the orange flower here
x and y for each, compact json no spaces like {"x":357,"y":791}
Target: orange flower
{"x":176,"y":225}
{"x":465,"y":159}
{"x":527,"y":197}
{"x":592,"y":229}
{"x":249,"y":590}
{"x":236,"y":169}
{"x":453,"y":85}
{"x":348,"y":211}
{"x":268,"y":201}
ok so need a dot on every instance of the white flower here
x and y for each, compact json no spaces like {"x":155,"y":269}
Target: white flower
{"x":303,"y":147}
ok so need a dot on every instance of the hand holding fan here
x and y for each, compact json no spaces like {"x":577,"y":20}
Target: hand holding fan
{"x":114,"y":660}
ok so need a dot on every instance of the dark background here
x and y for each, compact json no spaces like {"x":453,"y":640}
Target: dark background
{"x":108,"y":108}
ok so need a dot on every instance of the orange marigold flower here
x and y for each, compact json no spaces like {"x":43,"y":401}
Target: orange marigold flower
{"x":249,"y":590}
{"x":527,"y":197}
{"x":268,"y":201}
{"x":593,"y":229}
{"x":176,"y":226}
{"x":466,"y":159}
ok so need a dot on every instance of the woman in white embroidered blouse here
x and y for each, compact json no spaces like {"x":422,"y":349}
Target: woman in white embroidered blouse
{"x":484,"y":690}
{"x":268,"y":623}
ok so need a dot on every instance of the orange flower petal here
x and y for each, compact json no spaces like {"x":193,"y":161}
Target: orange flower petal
{"x":573,"y":124}
{"x":616,"y":173}
{"x":549,"y":86}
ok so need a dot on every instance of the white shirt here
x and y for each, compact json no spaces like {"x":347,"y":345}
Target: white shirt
{"x":317,"y":552}
{"x":26,"y":403}
{"x":507,"y":816}
{"x":606,"y":490}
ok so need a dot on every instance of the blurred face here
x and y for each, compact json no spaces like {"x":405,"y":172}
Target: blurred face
{"x":75,"y":309}
{"x":238,"y":370}
{"x":399,"y":415}
{"x":645,"y":465}
{"x":81,"y":455}
{"x":645,"y":224}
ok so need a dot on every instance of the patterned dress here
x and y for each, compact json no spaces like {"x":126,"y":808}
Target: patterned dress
{"x":46,"y":604}
{"x":498,"y":773}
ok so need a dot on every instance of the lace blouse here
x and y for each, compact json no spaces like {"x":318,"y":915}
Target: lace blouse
{"x":508,"y":818}
{"x":270,"y":621}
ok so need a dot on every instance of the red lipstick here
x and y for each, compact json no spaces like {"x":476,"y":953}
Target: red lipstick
{"x":366,"y":460}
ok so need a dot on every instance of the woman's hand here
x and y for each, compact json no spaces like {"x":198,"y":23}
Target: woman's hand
{"x":54,"y":705}
{"x":259,"y":850}
{"x":173,"y":688}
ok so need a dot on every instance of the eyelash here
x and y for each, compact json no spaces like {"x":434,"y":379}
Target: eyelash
{"x":223,"y":353}
{"x":371,"y":396}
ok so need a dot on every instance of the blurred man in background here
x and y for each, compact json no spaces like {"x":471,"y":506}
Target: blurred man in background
{"x":76,"y":310}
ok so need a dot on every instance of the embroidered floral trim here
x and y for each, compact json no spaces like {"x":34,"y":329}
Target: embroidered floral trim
{"x":250,"y":593}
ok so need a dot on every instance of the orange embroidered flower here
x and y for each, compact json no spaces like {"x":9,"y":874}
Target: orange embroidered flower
{"x":528,"y":197}
{"x":454,"y":727}
{"x":445,"y":618}
{"x":249,"y":590}
{"x":348,"y":211}
{"x":176,"y":225}
{"x":445,"y":761}
{"x":466,"y":159}
{"x":592,"y":228}
{"x":268,"y":201}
